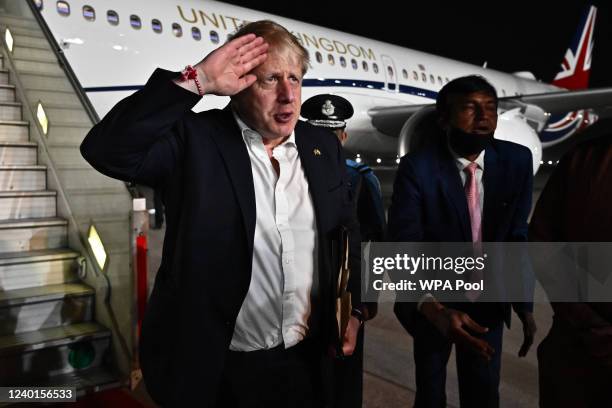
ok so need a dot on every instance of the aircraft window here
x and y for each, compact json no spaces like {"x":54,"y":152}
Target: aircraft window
{"x":156,"y":25}
{"x":214,"y":37}
{"x":390,"y":71}
{"x":446,"y":79}
{"x":177,"y":30}
{"x":432,"y":79}
{"x":415,"y":76}
{"x":405,"y":73}
{"x":135,"y":22}
{"x":504,"y":92}
{"x":440,"y":80}
{"x":63,"y":8}
{"x":364,"y":65}
{"x":89,"y":13}
{"x":330,"y":59}
{"x":343,"y":62}
{"x":196,"y":34}
{"x":424,"y":76}
{"x":319,"y":57}
{"x":375,"y":68}
{"x":112,"y":17}
{"x":39,"y":4}
{"x":422,"y":67}
{"x":354,"y":63}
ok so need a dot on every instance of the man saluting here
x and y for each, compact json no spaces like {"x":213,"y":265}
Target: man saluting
{"x":242,"y":312}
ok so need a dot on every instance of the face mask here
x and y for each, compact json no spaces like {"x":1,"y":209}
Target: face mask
{"x":467,"y":144}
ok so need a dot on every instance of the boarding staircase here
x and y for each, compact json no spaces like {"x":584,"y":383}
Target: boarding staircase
{"x":51,"y":301}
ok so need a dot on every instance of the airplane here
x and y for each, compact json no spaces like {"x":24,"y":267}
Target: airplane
{"x":113,"y":46}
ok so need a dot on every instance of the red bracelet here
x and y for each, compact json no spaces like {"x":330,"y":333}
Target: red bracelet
{"x":190,"y":73}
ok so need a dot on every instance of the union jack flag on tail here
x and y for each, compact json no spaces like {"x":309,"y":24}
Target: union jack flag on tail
{"x":576,"y":65}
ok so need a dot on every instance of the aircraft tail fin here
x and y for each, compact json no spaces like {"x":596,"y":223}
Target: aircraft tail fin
{"x":576,"y":65}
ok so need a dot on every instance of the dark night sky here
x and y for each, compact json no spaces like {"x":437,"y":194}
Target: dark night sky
{"x":511,"y":36}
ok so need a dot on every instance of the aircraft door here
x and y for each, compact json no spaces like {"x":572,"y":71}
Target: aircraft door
{"x":391,"y":79}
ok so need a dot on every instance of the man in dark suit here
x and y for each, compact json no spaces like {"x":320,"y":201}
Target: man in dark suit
{"x":468,"y":187}
{"x":242,"y":312}
{"x":575,"y":358}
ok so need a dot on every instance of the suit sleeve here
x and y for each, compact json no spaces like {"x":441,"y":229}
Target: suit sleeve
{"x":142,"y":138}
{"x":405,"y":222}
{"x":348,"y":216}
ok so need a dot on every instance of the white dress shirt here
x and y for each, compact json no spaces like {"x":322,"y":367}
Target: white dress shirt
{"x":277,"y":306}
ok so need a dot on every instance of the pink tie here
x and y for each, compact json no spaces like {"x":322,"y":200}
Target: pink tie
{"x":473,"y":200}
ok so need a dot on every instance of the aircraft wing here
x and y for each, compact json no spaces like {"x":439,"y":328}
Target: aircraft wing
{"x":389,"y":120}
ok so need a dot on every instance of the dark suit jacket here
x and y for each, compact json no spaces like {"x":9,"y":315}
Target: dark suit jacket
{"x":153,"y":138}
{"x":429,"y":205}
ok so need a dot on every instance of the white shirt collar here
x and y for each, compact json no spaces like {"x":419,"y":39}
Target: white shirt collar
{"x":249,"y":134}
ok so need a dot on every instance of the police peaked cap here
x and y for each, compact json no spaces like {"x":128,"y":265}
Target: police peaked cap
{"x":326,"y":110}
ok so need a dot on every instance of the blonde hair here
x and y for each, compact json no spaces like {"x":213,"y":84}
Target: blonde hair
{"x":278,"y":38}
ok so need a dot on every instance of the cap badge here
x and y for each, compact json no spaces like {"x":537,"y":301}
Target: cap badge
{"x":328,"y":109}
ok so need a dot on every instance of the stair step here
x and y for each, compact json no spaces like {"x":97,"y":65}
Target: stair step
{"x":4,"y":76}
{"x":27,"y":204}
{"x":74,"y":116}
{"x":18,"y":21}
{"x":35,"y":67}
{"x":30,"y":42}
{"x":44,"y":82}
{"x":52,"y":351}
{"x":34,"y":54}
{"x":14,"y":131}
{"x":33,"y":234}
{"x":86,"y":381}
{"x":43,"y":307}
{"x":23,"y":178}
{"x":17,"y":31}
{"x":17,"y":153}
{"x":7,"y":93}
{"x":51,"y":337}
{"x":26,"y":269}
{"x":55,"y":98}
{"x":10,"y":111}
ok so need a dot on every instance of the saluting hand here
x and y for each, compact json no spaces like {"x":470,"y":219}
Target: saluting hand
{"x":225,"y":71}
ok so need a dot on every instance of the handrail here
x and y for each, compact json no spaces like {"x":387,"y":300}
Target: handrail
{"x":59,"y":53}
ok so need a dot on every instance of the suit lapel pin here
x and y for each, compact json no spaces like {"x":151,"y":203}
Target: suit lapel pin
{"x":316,"y":152}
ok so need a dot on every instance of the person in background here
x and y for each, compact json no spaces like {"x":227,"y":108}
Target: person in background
{"x":469,"y":187}
{"x":331,"y":112}
{"x":575,"y":357}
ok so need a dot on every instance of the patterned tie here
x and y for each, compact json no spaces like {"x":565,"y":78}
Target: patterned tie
{"x":473,"y":199}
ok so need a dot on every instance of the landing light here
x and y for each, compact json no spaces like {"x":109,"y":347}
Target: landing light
{"x":358,"y":160}
{"x":95,"y":243}
{"x":8,"y":37}
{"x":378,"y":160}
{"x":42,"y":118}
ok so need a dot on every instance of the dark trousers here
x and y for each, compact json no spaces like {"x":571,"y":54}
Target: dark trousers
{"x":478,"y":378}
{"x":279,"y":377}
{"x":348,"y":378}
